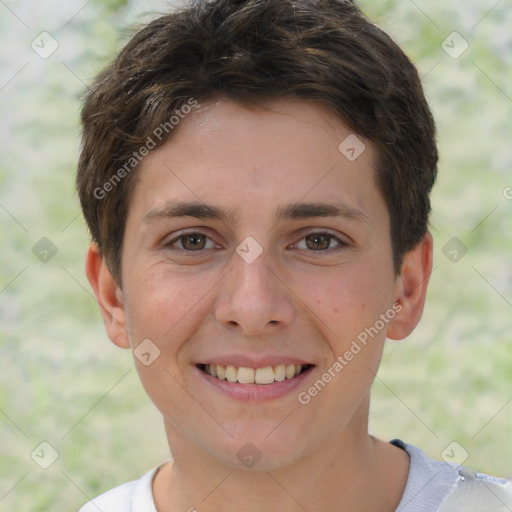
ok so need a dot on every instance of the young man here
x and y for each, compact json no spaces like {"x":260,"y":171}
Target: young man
{"x":256,"y":176}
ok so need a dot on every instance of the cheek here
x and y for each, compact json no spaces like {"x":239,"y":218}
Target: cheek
{"x":348,"y":300}
{"x":163,"y":306}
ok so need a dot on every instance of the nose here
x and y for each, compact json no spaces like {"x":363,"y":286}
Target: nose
{"x":254,"y":297}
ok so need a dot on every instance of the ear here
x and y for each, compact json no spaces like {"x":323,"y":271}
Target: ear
{"x":411,"y":289}
{"x":108,"y":295}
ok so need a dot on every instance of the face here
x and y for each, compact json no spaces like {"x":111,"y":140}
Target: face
{"x":254,"y":244}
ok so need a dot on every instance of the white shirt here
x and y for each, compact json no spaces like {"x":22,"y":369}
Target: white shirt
{"x":432,"y":486}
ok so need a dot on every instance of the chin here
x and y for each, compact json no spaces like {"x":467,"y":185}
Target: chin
{"x":260,"y":451}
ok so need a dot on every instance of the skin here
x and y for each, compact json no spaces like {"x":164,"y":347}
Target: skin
{"x":293,"y":300}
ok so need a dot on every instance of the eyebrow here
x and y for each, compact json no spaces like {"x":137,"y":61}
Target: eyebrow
{"x":292,"y":211}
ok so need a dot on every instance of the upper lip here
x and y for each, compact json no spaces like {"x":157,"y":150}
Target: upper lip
{"x":246,"y":361}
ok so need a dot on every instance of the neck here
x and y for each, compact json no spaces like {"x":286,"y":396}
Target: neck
{"x":353,"y":472}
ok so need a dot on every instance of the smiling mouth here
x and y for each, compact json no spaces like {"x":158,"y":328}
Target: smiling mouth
{"x":244,"y":375}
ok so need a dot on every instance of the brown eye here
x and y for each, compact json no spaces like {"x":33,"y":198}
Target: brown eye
{"x":321,"y":242}
{"x":318,"y":241}
{"x":193,"y":241}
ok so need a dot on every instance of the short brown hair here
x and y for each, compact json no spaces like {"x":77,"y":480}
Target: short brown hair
{"x":251,"y":51}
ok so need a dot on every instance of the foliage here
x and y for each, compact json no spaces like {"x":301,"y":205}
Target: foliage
{"x":64,"y":383}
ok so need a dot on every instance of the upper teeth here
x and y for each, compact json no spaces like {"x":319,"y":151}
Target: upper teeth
{"x":245,"y":375}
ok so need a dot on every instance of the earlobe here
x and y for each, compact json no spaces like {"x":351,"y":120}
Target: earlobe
{"x":108,"y":295}
{"x":411,"y":289}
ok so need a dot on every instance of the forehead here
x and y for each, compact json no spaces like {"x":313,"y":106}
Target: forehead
{"x":258,"y":159}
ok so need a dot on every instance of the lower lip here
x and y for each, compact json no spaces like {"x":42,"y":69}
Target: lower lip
{"x":256,"y":392}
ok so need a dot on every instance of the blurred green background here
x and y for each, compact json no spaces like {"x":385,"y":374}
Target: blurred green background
{"x":63,"y":382}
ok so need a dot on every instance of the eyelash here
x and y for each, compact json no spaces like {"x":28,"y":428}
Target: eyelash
{"x":342,"y":244}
